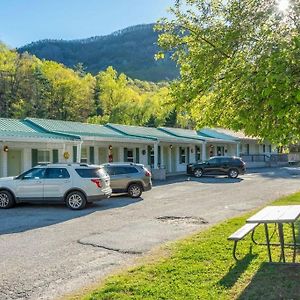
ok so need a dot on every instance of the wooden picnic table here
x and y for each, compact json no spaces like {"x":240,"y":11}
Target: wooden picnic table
{"x":278,"y":215}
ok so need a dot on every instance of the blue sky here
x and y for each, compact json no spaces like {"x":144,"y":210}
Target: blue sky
{"x":24,"y":21}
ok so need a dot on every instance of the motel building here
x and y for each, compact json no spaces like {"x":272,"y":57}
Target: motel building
{"x":166,"y":151}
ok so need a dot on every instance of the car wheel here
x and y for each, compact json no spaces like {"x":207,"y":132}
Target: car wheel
{"x":6,"y":199}
{"x":76,"y":200}
{"x":135,"y":190}
{"x":233,"y":173}
{"x":198,"y":173}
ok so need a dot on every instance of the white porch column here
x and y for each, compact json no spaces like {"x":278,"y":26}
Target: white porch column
{"x":79,"y":153}
{"x":156,"y":156}
{"x":162,"y":162}
{"x":238,"y":149}
{"x":26,"y":159}
{"x":4,"y":163}
{"x":203,"y":152}
{"x":170,"y":159}
{"x":121,"y":154}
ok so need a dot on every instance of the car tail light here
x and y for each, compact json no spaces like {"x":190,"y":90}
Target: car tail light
{"x":147,"y":173}
{"x":97,"y":182}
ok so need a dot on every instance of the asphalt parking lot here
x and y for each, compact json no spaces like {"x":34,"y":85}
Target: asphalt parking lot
{"x":48,"y":251}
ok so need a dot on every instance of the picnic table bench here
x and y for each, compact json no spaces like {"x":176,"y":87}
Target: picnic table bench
{"x":240,"y":234}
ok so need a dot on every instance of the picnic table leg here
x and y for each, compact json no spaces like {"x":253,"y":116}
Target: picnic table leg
{"x":268,"y":241}
{"x":234,"y":250}
{"x":281,"y":239}
{"x":252,"y":237}
{"x":294,"y":240}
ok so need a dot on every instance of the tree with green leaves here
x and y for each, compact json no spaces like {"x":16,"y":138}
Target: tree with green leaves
{"x":30,"y":87}
{"x":119,"y":99}
{"x":70,"y":93}
{"x":8,"y":70}
{"x":239,"y":64}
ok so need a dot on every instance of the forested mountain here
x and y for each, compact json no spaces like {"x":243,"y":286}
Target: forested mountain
{"x":130,"y":51}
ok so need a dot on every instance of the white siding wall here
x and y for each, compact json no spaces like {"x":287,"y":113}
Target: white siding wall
{"x":255,"y":148}
{"x":26,"y":148}
{"x":69,"y":149}
{"x":143,"y":157}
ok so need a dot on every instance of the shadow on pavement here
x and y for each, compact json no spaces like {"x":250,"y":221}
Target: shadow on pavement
{"x":274,"y":281}
{"x":272,"y":173}
{"x":276,"y":172}
{"x":28,"y":216}
{"x":204,"y":179}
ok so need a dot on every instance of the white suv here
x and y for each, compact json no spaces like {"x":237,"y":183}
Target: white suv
{"x":74,"y":184}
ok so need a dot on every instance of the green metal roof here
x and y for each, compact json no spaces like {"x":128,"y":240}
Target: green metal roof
{"x":13,"y":128}
{"x":148,"y":132}
{"x":184,"y":133}
{"x":66,"y":130}
{"x":77,"y":128}
{"x":229,"y":134}
{"x":214,"y":133}
{"x":194,"y":135}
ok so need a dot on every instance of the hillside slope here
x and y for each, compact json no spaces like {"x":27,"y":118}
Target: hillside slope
{"x":130,"y":50}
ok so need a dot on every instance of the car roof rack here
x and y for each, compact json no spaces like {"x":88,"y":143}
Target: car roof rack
{"x":79,"y":164}
{"x":62,"y":163}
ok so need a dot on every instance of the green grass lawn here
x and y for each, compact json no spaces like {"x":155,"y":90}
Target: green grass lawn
{"x":202,"y":267}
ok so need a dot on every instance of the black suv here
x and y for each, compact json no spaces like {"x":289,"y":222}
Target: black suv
{"x":218,"y":165}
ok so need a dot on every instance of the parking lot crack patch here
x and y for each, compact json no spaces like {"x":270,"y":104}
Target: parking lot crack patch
{"x":131,"y":252}
{"x":182,"y":219}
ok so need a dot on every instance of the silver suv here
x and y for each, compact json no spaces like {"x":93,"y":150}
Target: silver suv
{"x":129,"y":178}
{"x":74,"y":184}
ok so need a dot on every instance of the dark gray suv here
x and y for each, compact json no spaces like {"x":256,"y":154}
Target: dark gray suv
{"x":218,"y":165}
{"x":129,"y":178}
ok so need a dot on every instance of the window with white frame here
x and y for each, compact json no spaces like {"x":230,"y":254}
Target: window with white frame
{"x":182,"y":155}
{"x":84,"y":155}
{"x":43,"y":156}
